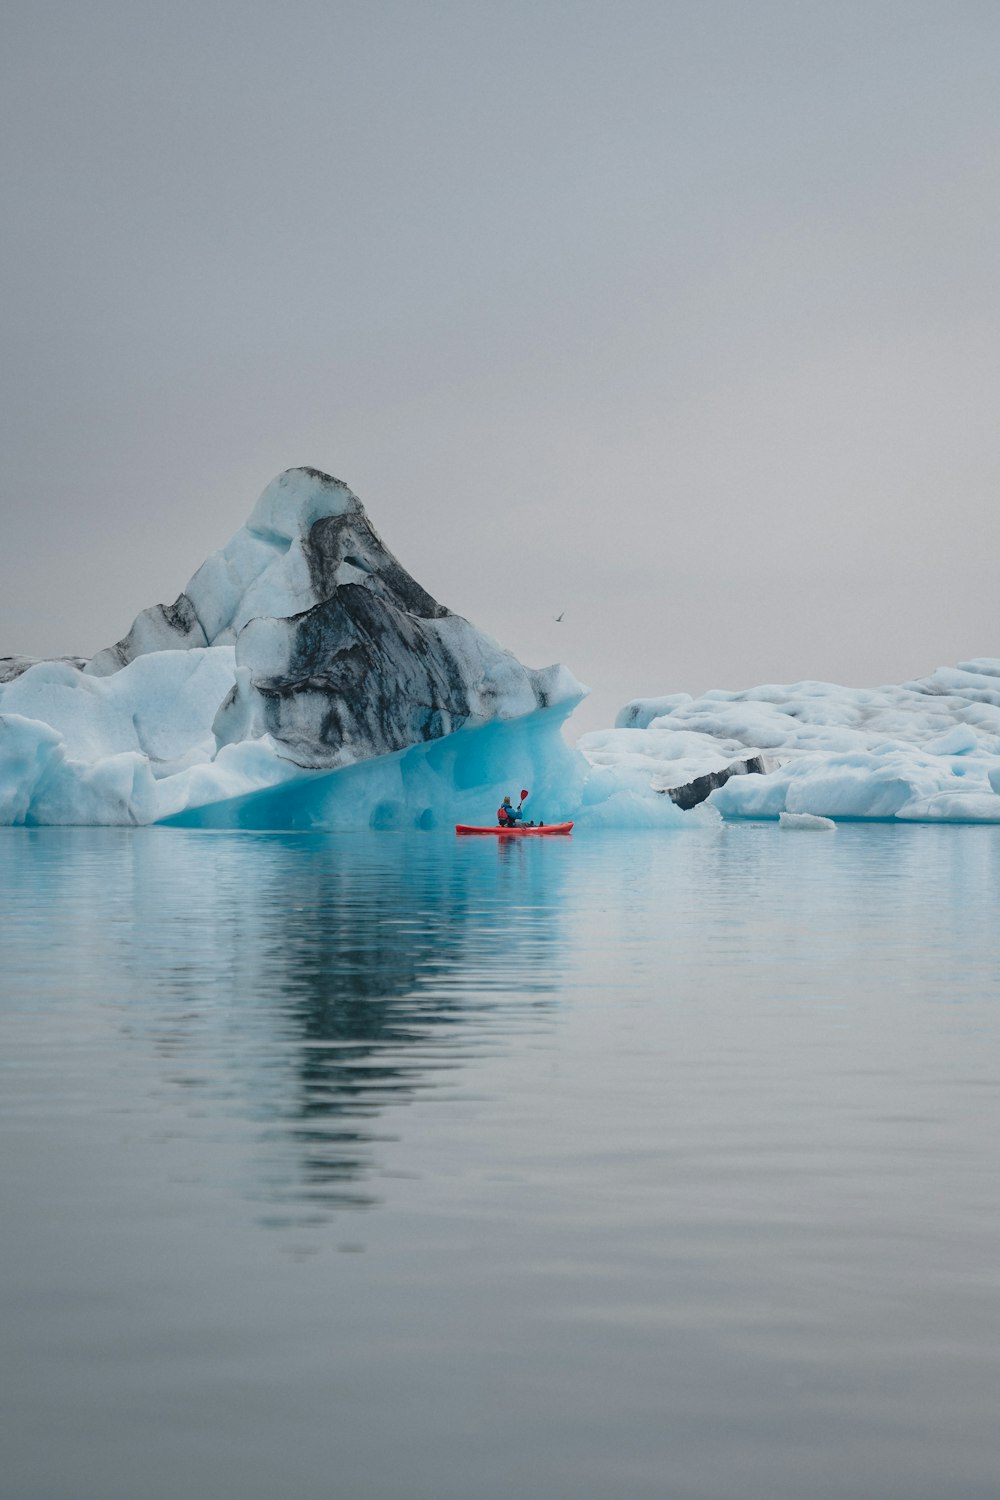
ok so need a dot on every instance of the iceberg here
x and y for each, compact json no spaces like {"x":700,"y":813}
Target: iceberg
{"x":299,"y":650}
{"x":302,"y":679}
{"x":927,"y":750}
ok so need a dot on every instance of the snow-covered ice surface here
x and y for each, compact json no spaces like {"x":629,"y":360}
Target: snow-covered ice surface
{"x":925,"y":750}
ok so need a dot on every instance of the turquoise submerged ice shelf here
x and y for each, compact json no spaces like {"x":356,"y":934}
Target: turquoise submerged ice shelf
{"x":461,"y":777}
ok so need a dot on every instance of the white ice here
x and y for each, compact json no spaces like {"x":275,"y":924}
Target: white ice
{"x":806,"y":821}
{"x":178,"y":733}
{"x":925,"y":750}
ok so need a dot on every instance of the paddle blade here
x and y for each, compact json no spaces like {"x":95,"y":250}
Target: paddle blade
{"x":524,"y":793}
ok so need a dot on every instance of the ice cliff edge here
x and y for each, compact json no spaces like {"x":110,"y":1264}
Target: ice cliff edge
{"x":301,"y":646}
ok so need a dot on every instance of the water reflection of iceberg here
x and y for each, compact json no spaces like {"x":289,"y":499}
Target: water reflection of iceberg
{"x":303,"y":985}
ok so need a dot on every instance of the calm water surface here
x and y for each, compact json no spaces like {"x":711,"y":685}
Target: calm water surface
{"x":385,"y":1167}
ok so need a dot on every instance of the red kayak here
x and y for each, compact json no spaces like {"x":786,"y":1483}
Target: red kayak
{"x":517,"y":832}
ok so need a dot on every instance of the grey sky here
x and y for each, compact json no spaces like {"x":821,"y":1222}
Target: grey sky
{"x":679,"y":318}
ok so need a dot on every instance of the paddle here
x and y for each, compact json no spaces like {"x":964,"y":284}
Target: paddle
{"x":524,"y":795}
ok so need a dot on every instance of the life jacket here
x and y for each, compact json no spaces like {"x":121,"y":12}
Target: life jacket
{"x":502,"y":817}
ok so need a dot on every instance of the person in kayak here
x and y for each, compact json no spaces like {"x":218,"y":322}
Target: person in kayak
{"x":509,"y":816}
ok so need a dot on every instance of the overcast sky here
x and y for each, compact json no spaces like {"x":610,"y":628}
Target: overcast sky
{"x":679,"y":318}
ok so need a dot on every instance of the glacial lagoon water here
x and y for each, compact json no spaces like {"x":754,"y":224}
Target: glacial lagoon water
{"x":397,"y":1167}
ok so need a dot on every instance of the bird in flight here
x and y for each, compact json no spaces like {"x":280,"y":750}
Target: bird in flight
{"x":560,"y":615}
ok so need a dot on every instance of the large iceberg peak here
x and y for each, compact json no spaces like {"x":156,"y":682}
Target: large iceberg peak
{"x":340,"y":654}
{"x":302,"y":645}
{"x":307,"y":535}
{"x":297,"y":499}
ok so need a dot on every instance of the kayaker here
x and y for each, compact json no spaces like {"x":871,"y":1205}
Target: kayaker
{"x":507,"y":815}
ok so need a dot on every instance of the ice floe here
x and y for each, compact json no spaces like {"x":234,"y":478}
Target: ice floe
{"x":925,"y":750}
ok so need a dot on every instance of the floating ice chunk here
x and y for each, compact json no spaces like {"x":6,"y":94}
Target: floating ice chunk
{"x":301,"y":646}
{"x":304,"y":675}
{"x":924,"y":749}
{"x":806,"y":820}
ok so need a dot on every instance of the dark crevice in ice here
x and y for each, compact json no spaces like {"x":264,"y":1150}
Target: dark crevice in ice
{"x":702,"y":787}
{"x":351,"y":538}
{"x":362,"y":672}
